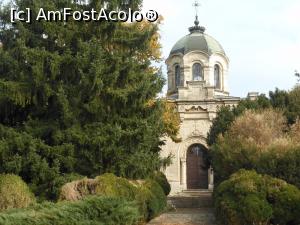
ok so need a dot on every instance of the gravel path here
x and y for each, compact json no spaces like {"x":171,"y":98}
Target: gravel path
{"x":202,"y":216}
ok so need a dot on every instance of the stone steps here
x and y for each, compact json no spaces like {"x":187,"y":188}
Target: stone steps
{"x":203,"y":216}
{"x":192,"y":199}
{"x":194,"y":193}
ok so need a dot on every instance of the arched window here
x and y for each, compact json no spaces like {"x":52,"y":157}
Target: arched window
{"x":217,"y":77}
{"x":197,"y":72}
{"x":177,"y":75}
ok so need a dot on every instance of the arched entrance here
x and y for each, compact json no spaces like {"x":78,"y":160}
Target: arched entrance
{"x":197,"y":170}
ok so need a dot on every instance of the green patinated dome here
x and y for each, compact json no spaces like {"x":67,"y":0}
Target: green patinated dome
{"x":197,"y":40}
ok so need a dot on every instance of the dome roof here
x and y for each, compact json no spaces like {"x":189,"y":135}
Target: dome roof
{"x":197,"y":40}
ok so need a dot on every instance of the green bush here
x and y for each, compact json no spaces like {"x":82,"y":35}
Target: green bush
{"x":151,"y":199}
{"x":282,"y":162}
{"x":248,"y":198}
{"x":106,"y":185}
{"x":161,"y":179}
{"x":91,"y":211}
{"x":111,"y":185}
{"x":14,"y":192}
{"x":285,"y":200}
{"x":39,"y":164}
{"x":149,"y":195}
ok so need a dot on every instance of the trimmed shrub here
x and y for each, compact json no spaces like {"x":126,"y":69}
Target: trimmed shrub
{"x":91,"y":211}
{"x":149,"y":195}
{"x":151,"y":199}
{"x":111,"y":185}
{"x":106,"y":185}
{"x":161,"y":179}
{"x":285,"y":201}
{"x":248,"y":198}
{"x":14,"y":192}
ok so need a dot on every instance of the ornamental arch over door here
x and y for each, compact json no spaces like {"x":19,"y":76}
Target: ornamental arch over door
{"x":196,"y":171}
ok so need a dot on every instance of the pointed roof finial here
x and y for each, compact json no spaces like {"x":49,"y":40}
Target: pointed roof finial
{"x":197,"y":28}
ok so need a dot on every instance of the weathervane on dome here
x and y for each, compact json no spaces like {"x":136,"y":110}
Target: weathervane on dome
{"x":197,"y":28}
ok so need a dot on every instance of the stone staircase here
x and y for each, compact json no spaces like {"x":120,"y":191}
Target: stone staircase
{"x":192,"y":199}
{"x":191,"y":207}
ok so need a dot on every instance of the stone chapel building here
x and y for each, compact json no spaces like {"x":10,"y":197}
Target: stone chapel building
{"x":197,"y":83}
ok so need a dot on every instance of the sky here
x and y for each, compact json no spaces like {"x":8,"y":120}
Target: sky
{"x":261,"y":38}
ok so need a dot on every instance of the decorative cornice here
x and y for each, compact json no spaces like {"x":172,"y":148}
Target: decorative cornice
{"x":195,"y":109}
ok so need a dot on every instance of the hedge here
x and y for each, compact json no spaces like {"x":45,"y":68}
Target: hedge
{"x":93,"y":210}
{"x":105,"y":200}
{"x":14,"y":192}
{"x":248,"y":198}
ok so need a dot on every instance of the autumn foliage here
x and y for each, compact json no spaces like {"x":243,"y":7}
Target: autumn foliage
{"x":259,"y":140}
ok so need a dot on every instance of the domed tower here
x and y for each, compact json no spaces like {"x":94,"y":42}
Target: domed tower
{"x":197,"y":67}
{"x":197,"y":85}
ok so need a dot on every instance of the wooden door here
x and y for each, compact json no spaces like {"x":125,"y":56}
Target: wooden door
{"x":197,"y":173}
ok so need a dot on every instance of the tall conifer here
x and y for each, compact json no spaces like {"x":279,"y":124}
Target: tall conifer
{"x":78,"y":96}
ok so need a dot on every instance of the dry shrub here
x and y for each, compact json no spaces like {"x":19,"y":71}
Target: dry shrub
{"x":77,"y":190}
{"x":261,"y":141}
{"x":295,"y":132}
{"x":280,"y":146}
{"x":106,"y":185}
{"x":261,"y":128}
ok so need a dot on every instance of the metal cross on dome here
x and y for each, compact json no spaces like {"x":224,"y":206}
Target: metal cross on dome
{"x":196,"y":28}
{"x":196,"y":5}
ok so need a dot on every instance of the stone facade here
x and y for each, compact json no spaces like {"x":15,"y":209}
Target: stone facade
{"x":198,"y":101}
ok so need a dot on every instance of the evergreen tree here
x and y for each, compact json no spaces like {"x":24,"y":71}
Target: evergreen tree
{"x":79,"y":96}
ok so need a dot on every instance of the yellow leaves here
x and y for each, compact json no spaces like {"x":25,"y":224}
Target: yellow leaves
{"x":153,"y":49}
{"x":171,"y":120}
{"x":151,"y":103}
{"x":154,"y":43}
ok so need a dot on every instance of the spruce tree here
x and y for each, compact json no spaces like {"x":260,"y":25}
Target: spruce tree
{"x":79,"y":97}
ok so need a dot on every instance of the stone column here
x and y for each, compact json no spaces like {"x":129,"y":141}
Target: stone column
{"x":210,"y":178}
{"x":183,"y":172}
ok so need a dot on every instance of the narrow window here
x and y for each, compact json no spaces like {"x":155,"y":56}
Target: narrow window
{"x":177,"y":75}
{"x":197,"y":72}
{"x":217,"y":77}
